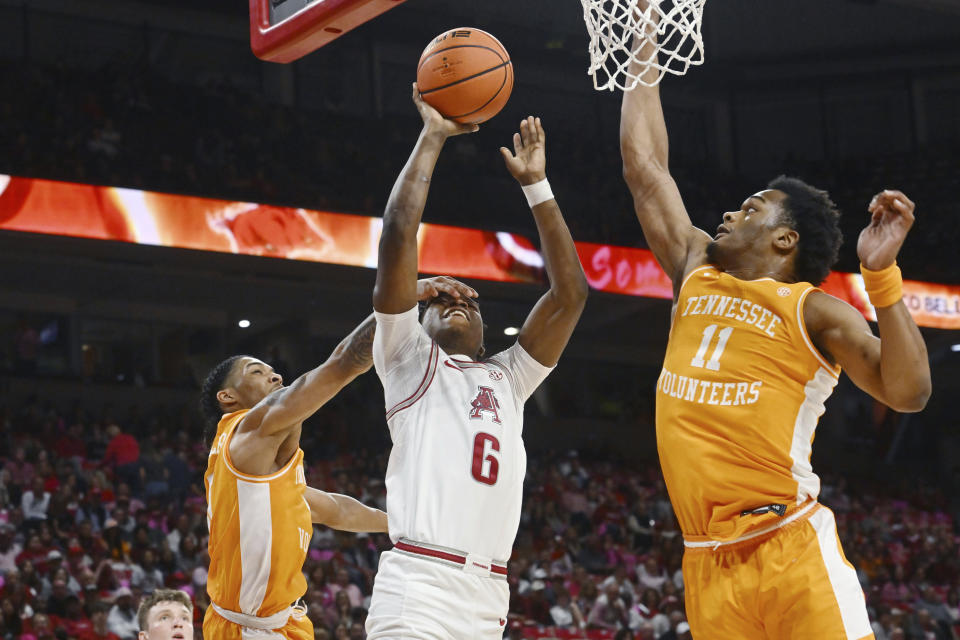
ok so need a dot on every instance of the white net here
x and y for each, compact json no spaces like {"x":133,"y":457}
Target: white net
{"x":672,"y":27}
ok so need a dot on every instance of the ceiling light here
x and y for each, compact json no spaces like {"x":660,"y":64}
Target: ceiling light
{"x":243,"y":324}
{"x":512,"y":331}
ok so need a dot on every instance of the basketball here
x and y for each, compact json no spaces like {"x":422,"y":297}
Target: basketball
{"x":466,"y":75}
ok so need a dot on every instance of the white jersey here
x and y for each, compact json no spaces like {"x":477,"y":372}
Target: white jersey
{"x":455,"y":475}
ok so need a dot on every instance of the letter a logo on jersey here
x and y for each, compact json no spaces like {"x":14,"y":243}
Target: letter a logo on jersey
{"x":485,"y":401}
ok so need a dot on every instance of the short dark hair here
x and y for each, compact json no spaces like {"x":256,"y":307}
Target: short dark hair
{"x":161,"y":595}
{"x":212,"y":384}
{"x":814,"y":216}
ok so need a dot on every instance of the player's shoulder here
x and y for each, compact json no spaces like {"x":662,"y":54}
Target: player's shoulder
{"x":824,"y":312}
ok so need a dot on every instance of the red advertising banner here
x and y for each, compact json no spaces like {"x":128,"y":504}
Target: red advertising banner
{"x":145,"y":217}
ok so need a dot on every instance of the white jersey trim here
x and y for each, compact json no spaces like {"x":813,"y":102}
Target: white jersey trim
{"x":843,"y":577}
{"x":834,"y":371}
{"x":246,"y":477}
{"x":815,"y":392}
{"x":425,"y":383}
{"x":256,"y":541}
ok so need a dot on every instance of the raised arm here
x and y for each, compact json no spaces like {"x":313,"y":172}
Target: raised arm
{"x":551,"y":322}
{"x":893,"y":368}
{"x":676,"y":243}
{"x":288,"y":406}
{"x":396,"y":287}
{"x":343,"y":512}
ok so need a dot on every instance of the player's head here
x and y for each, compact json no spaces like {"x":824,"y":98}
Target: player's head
{"x":166,"y":614}
{"x":239,"y":382}
{"x":455,"y":323}
{"x":789,"y":219}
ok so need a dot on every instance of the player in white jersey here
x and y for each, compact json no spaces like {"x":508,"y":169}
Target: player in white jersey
{"x":455,"y":475}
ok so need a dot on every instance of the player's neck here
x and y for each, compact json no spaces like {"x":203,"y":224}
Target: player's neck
{"x":751,"y":267}
{"x":455,"y":347}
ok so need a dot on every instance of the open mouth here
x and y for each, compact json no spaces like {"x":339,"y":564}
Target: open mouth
{"x":457,"y":312}
{"x":721,"y":231}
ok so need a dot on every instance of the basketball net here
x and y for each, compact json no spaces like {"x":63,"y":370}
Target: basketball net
{"x":671,"y":26}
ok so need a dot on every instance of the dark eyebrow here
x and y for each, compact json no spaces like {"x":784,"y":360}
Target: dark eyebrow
{"x":758,"y":197}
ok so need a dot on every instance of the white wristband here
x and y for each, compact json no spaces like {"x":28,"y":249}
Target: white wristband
{"x":538,"y":192}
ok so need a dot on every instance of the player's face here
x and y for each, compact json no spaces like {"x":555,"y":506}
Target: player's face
{"x":168,"y":620}
{"x":742,"y":230}
{"x":454,"y":318}
{"x":254,"y":380}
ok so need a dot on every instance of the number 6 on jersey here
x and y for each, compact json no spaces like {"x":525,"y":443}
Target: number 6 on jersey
{"x":485,"y":466}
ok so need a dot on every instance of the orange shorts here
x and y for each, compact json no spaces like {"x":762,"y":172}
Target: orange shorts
{"x":217,"y":628}
{"x":794,"y":583}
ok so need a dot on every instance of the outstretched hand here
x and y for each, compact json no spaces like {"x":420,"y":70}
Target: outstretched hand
{"x":434,"y":121}
{"x":428,"y":288}
{"x":528,"y":162}
{"x":880,"y":242}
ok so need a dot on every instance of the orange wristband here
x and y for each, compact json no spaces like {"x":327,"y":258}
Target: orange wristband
{"x":885,"y":287}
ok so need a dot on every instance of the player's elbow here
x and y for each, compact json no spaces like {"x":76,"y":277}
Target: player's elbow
{"x":573,"y":293}
{"x":644,"y":174}
{"x":914,"y":400}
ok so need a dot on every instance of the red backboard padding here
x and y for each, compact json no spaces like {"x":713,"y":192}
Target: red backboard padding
{"x":310,"y":28}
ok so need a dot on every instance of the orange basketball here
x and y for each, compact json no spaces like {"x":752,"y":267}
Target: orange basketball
{"x":466,"y":75}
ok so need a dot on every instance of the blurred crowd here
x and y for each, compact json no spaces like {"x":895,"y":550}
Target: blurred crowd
{"x":97,"y":511}
{"x":127,"y":127}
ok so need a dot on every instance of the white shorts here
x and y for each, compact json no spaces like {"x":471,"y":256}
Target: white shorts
{"x":420,"y":599}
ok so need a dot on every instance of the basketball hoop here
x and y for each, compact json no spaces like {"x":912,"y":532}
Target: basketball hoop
{"x":671,"y":26}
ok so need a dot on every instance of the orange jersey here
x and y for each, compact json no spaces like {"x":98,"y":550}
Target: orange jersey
{"x":738,"y":399}
{"x":260,"y":529}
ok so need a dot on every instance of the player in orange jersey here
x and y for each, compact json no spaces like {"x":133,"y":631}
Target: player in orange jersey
{"x":754,"y":350}
{"x":260,"y":511}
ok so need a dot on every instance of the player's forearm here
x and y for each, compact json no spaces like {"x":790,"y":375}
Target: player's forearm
{"x":354,"y":354}
{"x":409,"y":194}
{"x":353,"y":515}
{"x":396,"y":287}
{"x":644,"y":144}
{"x":568,"y":284}
{"x":904,"y":366}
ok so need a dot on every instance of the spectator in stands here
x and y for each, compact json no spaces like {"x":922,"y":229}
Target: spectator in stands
{"x":565,"y":613}
{"x":342,"y":583}
{"x":98,"y":618}
{"x":651,"y":574}
{"x":179,"y":532}
{"x":122,"y":454}
{"x":122,"y":619}
{"x":9,"y":548}
{"x":609,"y":611}
{"x":35,"y":503}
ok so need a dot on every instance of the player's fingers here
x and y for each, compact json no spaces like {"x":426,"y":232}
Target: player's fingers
{"x":902,"y":197}
{"x":540,"y":132}
{"x":507,"y":156}
{"x":457,"y":288}
{"x":443,"y":287}
{"x":525,"y":132}
{"x":517,"y":144}
{"x":904,"y":209}
{"x":416,"y":93}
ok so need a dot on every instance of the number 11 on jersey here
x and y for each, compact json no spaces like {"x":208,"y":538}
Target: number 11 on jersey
{"x":714,"y":362}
